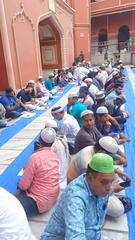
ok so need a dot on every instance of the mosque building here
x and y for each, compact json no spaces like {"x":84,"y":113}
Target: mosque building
{"x":37,"y":36}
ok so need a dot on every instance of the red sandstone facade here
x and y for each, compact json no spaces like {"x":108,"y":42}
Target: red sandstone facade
{"x":113,"y":30}
{"x":37,"y":36}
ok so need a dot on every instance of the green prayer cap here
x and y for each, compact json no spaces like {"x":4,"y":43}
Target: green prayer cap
{"x":51,"y":75}
{"x":102,"y":163}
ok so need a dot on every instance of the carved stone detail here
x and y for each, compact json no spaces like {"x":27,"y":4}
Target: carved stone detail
{"x":21,"y":14}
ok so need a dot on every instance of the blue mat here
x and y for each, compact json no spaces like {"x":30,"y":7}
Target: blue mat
{"x":133,"y":70}
{"x":9,"y":178}
{"x":14,"y":168}
{"x":7,"y":133}
{"x":130,"y":154}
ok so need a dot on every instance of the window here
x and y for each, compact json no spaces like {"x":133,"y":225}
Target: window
{"x":123,"y":37}
{"x":102,"y":40}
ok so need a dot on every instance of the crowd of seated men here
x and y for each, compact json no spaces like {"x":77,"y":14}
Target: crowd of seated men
{"x":34,"y":93}
{"x":79,"y":145}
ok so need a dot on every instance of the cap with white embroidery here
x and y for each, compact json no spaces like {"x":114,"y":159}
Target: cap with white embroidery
{"x":51,"y":123}
{"x":99,"y":95}
{"x":31,"y":81}
{"x":57,"y":109}
{"x":88,"y":80}
{"x":86,"y":112}
{"x":48,"y":135}
{"x":40,"y":77}
{"x":109,"y":144}
{"x":101,"y":110}
{"x":72,"y":95}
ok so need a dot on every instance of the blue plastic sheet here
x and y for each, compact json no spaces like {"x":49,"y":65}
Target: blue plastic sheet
{"x":11,"y":131}
{"x":9,"y":178}
{"x":130,"y":154}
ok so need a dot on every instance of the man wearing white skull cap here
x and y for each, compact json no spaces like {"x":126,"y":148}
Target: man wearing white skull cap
{"x":39,"y":185}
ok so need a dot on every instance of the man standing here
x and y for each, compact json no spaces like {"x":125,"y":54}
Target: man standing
{"x":81,"y":210}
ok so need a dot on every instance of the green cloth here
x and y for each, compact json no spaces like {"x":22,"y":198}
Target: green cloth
{"x":49,"y":84}
{"x":76,"y":110}
{"x":102,"y":163}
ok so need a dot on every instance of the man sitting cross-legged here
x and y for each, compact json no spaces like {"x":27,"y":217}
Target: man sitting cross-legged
{"x":67,"y":126}
{"x":14,"y":107}
{"x":88,"y":134}
{"x":39,"y":185}
{"x":60,"y":147}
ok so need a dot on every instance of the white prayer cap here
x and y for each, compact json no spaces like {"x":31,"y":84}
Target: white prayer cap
{"x":31,"y":81}
{"x":115,"y":69}
{"x":95,"y":70}
{"x":109,"y":144}
{"x":72,"y":95}
{"x":51,"y":123}
{"x":86,"y":112}
{"x":114,"y":73}
{"x":88,"y":80}
{"x":48,"y":135}
{"x":40,"y":77}
{"x":57,"y":109}
{"x":99,"y":95}
{"x":101,"y":110}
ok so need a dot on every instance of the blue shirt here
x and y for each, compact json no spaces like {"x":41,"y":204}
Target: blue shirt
{"x":78,"y":215}
{"x":76,"y":109}
{"x":49,"y":84}
{"x":8,"y":101}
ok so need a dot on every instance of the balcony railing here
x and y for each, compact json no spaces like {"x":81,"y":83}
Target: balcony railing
{"x":110,"y":6}
{"x":111,"y":48}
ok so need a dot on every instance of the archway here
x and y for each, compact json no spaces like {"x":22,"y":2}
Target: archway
{"x":50,"y":45}
{"x":123,"y":37}
{"x":102,"y":40}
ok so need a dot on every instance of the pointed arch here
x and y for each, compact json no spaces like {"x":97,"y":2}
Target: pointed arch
{"x":51,"y":41}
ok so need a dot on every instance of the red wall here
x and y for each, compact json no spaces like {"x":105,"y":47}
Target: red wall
{"x":111,"y":6}
{"x":112,"y":24}
{"x":3,"y":72}
{"x":82,"y":27}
